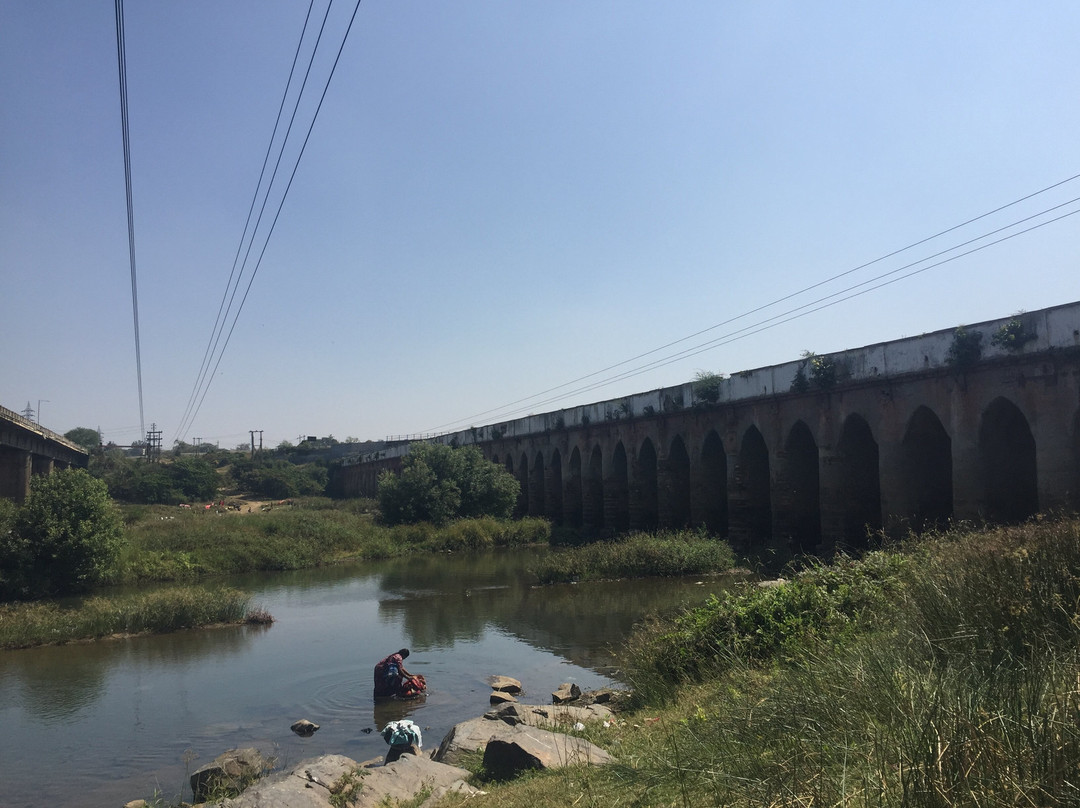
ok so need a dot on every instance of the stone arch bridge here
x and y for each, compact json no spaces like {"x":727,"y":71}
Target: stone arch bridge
{"x":982,"y":423}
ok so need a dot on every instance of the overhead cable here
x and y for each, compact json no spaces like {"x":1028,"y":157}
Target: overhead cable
{"x":507,"y":410}
{"x":208,"y":379}
{"x":121,"y":59}
{"x":222,"y":311}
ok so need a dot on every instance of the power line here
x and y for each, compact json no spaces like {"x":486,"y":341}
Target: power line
{"x":121,"y":58}
{"x":799,"y":312}
{"x":222,"y":311}
{"x":506,"y":410}
{"x":281,"y":204}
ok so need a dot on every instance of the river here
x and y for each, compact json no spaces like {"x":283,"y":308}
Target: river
{"x":98,"y":724}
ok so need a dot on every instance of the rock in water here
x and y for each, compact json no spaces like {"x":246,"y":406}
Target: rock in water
{"x":505,"y":684}
{"x":304,"y":728}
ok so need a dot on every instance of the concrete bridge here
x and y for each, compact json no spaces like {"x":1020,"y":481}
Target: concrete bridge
{"x":27,"y":449}
{"x":982,"y":423}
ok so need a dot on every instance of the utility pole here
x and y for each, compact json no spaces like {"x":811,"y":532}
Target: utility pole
{"x":39,"y":402}
{"x":28,"y":413}
{"x":253,"y":431}
{"x":197,"y":445}
{"x":153,"y":444}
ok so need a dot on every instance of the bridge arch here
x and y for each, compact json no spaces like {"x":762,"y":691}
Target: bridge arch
{"x":710,"y":488}
{"x":751,"y":494}
{"x":1007,"y":463}
{"x":799,"y":484}
{"x":926,"y":469}
{"x":646,"y":488}
{"x":617,"y":491}
{"x":593,"y":505}
{"x":522,"y":508}
{"x":860,"y":481}
{"x":537,"y":487}
{"x":574,"y":500}
{"x":554,"y":503}
{"x":676,"y":485}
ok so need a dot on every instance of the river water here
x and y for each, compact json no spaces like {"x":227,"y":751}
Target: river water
{"x":102,"y":723}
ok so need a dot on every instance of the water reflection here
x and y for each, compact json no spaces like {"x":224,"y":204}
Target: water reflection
{"x":118,"y":719}
{"x":56,"y":682}
{"x":387,"y":710}
{"x":441,"y":603}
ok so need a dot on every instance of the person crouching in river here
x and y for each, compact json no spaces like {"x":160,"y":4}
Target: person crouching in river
{"x":390,"y":673}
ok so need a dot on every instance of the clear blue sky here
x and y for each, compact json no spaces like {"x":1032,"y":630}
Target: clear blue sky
{"x":501,"y":197}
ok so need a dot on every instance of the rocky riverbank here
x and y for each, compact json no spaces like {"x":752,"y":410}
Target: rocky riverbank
{"x":512,"y":737}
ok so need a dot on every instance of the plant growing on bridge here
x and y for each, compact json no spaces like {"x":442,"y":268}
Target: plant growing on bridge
{"x":800,"y":384}
{"x":439,"y":483}
{"x":824,"y":371}
{"x":706,"y":386}
{"x":65,"y":538}
{"x":1012,"y":336}
{"x":966,"y":349}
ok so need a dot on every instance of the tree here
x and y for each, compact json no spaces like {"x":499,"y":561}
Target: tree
{"x":65,"y":537}
{"x":439,"y":483}
{"x":89,"y":439}
{"x":194,"y":477}
{"x":279,"y":479}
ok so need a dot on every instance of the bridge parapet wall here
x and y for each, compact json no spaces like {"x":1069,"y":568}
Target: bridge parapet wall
{"x":1056,"y":328}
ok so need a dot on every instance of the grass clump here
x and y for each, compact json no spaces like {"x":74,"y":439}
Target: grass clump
{"x":638,"y":555}
{"x":44,"y":622}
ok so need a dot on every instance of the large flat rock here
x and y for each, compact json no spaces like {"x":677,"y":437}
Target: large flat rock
{"x":547,"y":746}
{"x":534,"y":748}
{"x":309,"y":783}
{"x":306,"y":785}
{"x":404,"y":778}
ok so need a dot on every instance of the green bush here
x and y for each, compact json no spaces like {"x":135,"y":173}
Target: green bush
{"x":186,"y":479}
{"x":638,"y":555}
{"x":824,"y":603}
{"x":279,"y":479}
{"x":707,"y":386}
{"x":65,"y":538}
{"x":440,"y":483}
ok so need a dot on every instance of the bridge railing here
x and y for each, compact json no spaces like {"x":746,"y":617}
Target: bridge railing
{"x":26,"y":423}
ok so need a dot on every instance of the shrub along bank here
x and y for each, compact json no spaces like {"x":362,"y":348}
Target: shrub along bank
{"x":168,"y":544}
{"x":639,"y":555}
{"x":941,"y":672}
{"x":43,"y":622}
